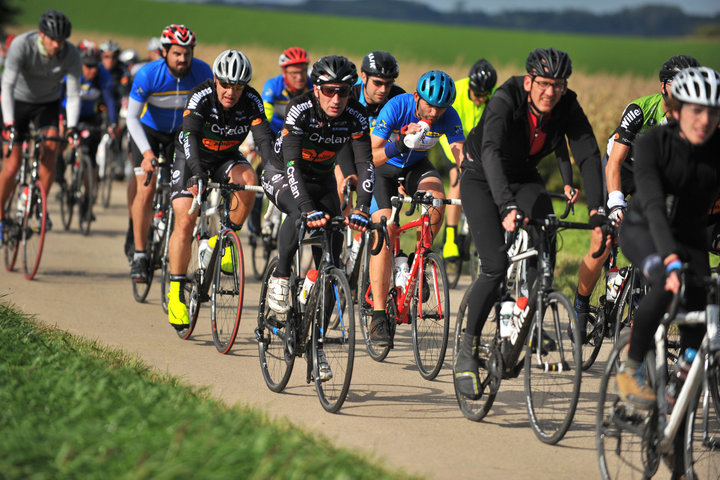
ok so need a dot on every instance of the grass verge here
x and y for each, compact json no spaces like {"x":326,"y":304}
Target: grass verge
{"x":75,"y":409}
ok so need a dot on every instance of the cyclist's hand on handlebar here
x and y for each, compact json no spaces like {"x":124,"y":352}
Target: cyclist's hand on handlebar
{"x":511,"y":217}
{"x":71,"y":134}
{"x":317,"y":219}
{"x":358,"y":220}
{"x":149,"y":162}
{"x":673,"y":266}
{"x":8,"y":131}
{"x":571,"y":193}
{"x":616,"y":214}
{"x":192,"y":184}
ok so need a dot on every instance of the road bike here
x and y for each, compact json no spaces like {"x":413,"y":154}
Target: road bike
{"x":77,"y":184}
{"x":110,"y":162}
{"x":25,"y":213}
{"x":631,"y":442}
{"x":217,"y":268}
{"x":422,"y":299}
{"x":543,"y":329}
{"x":322,"y":322}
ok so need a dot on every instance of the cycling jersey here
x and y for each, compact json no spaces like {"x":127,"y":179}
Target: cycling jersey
{"x":163,"y":97}
{"x":212,"y":135}
{"x":468,"y":112}
{"x":399,"y":112}
{"x":307,"y":147}
{"x":276,"y":97}
{"x":499,"y":147}
{"x":31,"y":76}
{"x":93,"y":94}
{"x":639,"y":116}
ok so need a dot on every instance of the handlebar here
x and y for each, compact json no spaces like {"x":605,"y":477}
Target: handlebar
{"x":420,"y":197}
{"x":381,"y":226}
{"x":224,"y":186}
{"x":347,"y":194}
{"x":149,"y":174}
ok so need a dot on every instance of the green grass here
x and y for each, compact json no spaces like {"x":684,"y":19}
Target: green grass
{"x":74,"y":409}
{"x":433,"y":44}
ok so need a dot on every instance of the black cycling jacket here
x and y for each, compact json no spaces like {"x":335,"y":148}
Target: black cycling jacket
{"x":499,"y":145}
{"x":676,"y":184}
{"x":212,"y":135}
{"x":309,"y":141}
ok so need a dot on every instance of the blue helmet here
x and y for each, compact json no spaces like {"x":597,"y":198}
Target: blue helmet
{"x":436,"y":88}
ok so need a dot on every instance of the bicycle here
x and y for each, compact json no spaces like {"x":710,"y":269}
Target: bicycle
{"x":552,"y":360}
{"x":27,"y":225}
{"x":109,"y":157}
{"x":77,"y":184}
{"x":327,"y":308}
{"x":209,"y":281}
{"x":631,"y":442}
{"x":425,"y":305}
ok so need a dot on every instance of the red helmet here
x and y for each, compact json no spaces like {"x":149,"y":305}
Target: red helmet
{"x":177,"y":35}
{"x":293,"y":56}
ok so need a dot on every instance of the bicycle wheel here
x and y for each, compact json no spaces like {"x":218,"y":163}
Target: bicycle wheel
{"x":140,"y":290}
{"x":67,"y":197}
{"x":553,"y":372}
{"x":85,"y":194}
{"x":476,"y":410}
{"x":702,"y":431}
{"x":595,"y":326}
{"x":33,"y":228}
{"x":276,"y":342}
{"x":431,"y":317}
{"x":453,"y":268}
{"x":227,"y":292}
{"x":191,"y":291}
{"x":108,"y":171}
{"x":165,"y":260}
{"x":365,"y":305}
{"x":336,"y":317}
{"x":12,"y":233}
{"x":622,"y":435}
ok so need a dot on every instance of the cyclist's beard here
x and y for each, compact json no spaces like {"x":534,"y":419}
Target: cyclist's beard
{"x":184,"y":70}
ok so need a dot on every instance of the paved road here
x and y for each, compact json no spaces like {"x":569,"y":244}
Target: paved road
{"x":391,"y":412}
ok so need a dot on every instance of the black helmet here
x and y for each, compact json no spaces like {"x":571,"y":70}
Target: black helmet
{"x":55,"y":25}
{"x":334,"y":69}
{"x":483,"y":76}
{"x":380,"y":64}
{"x":89,"y":54}
{"x":548,"y":62}
{"x":674,"y":65}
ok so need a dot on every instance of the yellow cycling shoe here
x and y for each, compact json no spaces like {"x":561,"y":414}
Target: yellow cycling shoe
{"x":450,"y":250}
{"x":177,"y":311}
{"x":226,"y":264}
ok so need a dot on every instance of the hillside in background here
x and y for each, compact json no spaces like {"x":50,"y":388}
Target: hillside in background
{"x":655,"y":21}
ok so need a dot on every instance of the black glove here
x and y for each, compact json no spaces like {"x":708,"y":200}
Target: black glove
{"x":315,"y":215}
{"x":359,"y":219}
{"x":598,"y":219}
{"x":616,"y":213}
{"x":195,"y":179}
{"x":71,"y":133}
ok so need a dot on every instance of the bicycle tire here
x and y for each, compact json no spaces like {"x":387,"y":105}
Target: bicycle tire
{"x":141,"y":290}
{"x":276,"y":338}
{"x":702,"y":432}
{"x":67,"y":192}
{"x":550,"y":403}
{"x":338,"y":339}
{"x":595,"y":326}
{"x":107,"y":178}
{"x":227,"y":293}
{"x":34,"y":228}
{"x":86,"y":189}
{"x":12,"y":232}
{"x":365,"y":306}
{"x":191,"y":291}
{"x":476,"y":410}
{"x":621,"y":452}
{"x":431,"y":317}
{"x":626,"y":304}
{"x":165,"y":260}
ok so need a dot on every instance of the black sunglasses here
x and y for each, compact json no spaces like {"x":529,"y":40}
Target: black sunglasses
{"x":330,"y":92}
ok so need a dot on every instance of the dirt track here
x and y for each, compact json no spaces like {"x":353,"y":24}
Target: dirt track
{"x":83,"y":286}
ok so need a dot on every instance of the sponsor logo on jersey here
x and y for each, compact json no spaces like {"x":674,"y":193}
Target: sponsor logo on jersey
{"x":629,"y":117}
{"x":257,"y":121}
{"x":197,"y":97}
{"x":238,"y":130}
{"x":186,"y":113}
{"x":332,"y":139}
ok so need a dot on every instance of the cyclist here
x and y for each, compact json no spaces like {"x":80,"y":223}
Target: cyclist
{"x":299,"y":179}
{"x":527,"y":118}
{"x":293,"y":81}
{"x":36,"y":63}
{"x":677,"y":180}
{"x":155,"y":109}
{"x":109,"y":54}
{"x":375,"y":87}
{"x":639,"y":116}
{"x":403,"y":115}
{"x":474,"y":93}
{"x":219,"y":114}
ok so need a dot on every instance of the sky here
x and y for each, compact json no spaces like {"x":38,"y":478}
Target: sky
{"x":694,"y":7}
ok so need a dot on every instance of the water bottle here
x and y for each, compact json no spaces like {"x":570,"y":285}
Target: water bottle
{"x":518,"y":318}
{"x":414,"y":140}
{"x":678,"y":377}
{"x":506,"y":317}
{"x":615,"y":279}
{"x":402,"y":270}
{"x":158,"y":226}
{"x":354,"y":250}
{"x":204,"y":252}
{"x":308,"y":283}
{"x":22,"y":199}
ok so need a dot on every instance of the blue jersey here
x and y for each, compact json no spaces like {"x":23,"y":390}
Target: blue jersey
{"x":276,"y":98}
{"x":165,"y":95}
{"x":95,"y":92}
{"x":399,"y":112}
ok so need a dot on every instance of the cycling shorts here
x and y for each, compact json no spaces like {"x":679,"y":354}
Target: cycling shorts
{"x":42,"y":115}
{"x":157,"y":141}
{"x":386,"y":181}
{"x":181,"y":173}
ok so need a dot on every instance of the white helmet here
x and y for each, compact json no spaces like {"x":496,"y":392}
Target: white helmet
{"x":233,"y":67}
{"x":700,"y":85}
{"x":129,"y":56}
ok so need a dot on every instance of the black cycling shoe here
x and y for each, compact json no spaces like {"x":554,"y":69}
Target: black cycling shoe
{"x":379,"y":335}
{"x":582,"y":321}
{"x":138,"y":269}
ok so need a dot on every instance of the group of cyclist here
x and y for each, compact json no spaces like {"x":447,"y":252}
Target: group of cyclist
{"x":318,"y":127}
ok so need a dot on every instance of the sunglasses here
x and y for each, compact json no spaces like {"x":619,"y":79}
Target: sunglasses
{"x":380,"y":83}
{"x":480,"y":94}
{"x":330,"y":92}
{"x":230,"y":86}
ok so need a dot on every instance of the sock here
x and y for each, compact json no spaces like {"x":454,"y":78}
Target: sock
{"x":582,"y":303}
{"x":450,"y":231}
{"x":139,"y":254}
